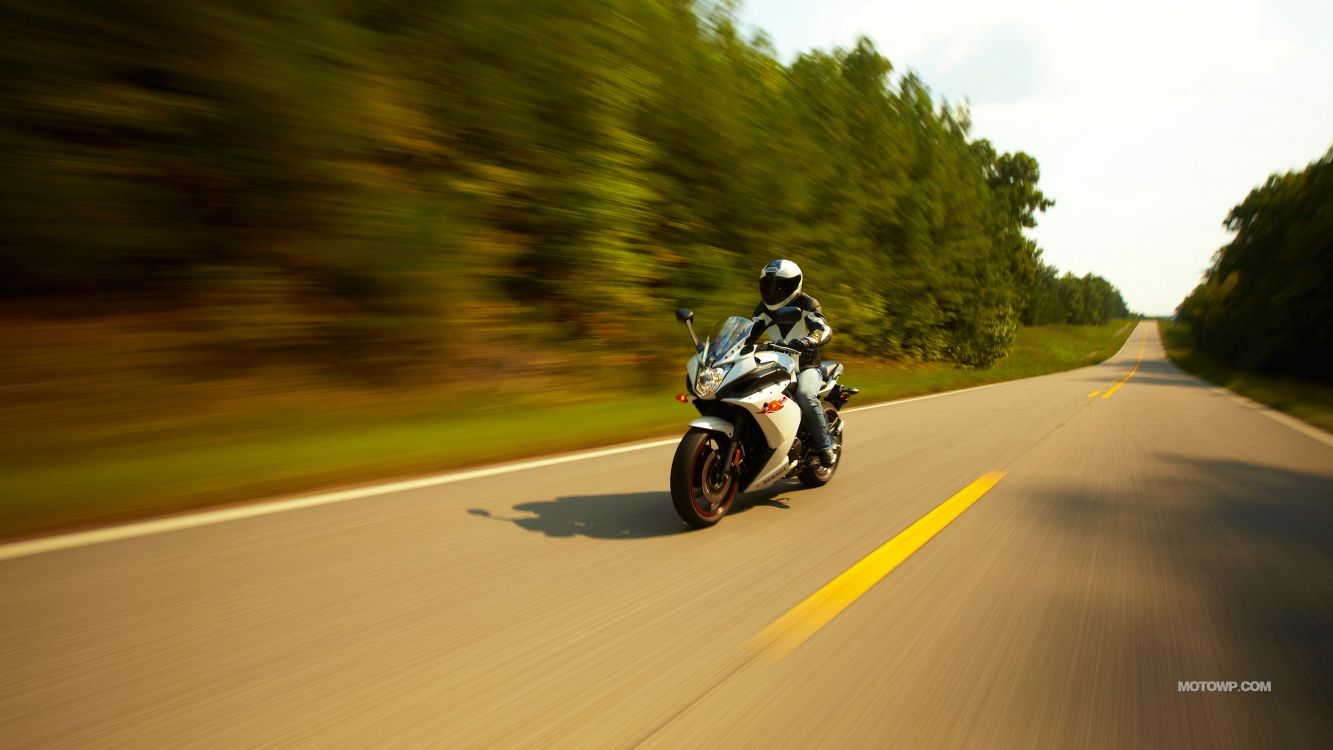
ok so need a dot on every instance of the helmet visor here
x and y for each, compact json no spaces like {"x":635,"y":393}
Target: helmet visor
{"x":774,"y":289}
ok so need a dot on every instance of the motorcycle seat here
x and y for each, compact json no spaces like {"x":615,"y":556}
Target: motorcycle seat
{"x":830,"y":369}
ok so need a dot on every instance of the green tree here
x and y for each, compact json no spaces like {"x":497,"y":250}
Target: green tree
{"x":343,"y":183}
{"x":1264,"y":304}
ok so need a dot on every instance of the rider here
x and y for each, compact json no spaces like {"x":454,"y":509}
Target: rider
{"x":780,"y":286}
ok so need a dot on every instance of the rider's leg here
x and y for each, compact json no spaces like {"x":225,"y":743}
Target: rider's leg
{"x":808,"y":384}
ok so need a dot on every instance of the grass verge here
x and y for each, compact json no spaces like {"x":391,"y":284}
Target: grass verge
{"x":1306,"y":400}
{"x":1037,"y":350}
{"x":84,"y":482}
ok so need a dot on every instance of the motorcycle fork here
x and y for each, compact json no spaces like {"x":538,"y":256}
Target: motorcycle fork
{"x":733,"y":445}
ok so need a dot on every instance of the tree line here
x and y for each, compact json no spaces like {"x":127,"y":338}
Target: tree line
{"x":1265,"y":303}
{"x":377,"y":182}
{"x":1078,"y":300}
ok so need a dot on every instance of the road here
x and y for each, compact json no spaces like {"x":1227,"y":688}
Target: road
{"x":1167,"y":533}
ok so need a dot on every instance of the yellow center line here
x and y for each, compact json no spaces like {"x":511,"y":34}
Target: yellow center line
{"x":1093,"y":394}
{"x":1125,"y":379}
{"x":792,"y":629}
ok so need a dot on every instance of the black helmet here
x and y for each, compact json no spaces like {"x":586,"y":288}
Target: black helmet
{"x":779,"y":283}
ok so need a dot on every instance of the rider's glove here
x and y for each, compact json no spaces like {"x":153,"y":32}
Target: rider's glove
{"x":804,"y":344}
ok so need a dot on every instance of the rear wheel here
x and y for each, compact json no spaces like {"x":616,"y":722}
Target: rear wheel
{"x":702,"y":486}
{"x":816,"y":475}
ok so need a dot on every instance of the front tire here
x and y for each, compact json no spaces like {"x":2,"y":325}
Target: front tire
{"x":702,"y":485}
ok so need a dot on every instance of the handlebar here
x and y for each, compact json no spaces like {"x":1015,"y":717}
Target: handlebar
{"x":771,"y":345}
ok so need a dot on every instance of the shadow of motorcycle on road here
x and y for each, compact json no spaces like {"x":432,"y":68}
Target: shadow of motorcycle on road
{"x":636,"y":515}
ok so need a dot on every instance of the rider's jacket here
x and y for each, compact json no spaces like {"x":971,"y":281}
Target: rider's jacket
{"x":811,"y":325}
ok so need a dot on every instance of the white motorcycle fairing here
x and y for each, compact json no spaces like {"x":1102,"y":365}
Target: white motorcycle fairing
{"x":779,"y":418}
{"x":748,"y":434}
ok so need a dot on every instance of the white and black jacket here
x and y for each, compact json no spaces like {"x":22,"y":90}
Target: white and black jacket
{"x":811,"y":326}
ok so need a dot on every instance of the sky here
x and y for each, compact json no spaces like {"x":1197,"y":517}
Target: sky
{"x":1150,"y":118}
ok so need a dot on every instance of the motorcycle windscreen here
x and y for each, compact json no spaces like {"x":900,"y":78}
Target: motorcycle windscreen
{"x":725,"y":339}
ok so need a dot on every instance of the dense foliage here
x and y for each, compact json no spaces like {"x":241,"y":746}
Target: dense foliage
{"x":1266,"y":303}
{"x":385,"y":181}
{"x":1080,"y":300}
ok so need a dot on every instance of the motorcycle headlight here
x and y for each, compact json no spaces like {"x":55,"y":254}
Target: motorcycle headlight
{"x":709,"y":378}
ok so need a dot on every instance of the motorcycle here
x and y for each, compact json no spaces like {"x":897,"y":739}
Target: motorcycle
{"x":748,"y":435}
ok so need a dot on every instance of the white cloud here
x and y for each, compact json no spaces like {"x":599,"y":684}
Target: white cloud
{"x":1150,"y":119}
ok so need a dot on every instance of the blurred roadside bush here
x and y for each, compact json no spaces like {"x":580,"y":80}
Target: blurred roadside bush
{"x":400,"y":188}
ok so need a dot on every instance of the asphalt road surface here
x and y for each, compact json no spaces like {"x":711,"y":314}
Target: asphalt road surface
{"x":1167,"y":534}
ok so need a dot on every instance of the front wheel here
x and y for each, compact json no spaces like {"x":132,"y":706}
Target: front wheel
{"x":702,"y":486}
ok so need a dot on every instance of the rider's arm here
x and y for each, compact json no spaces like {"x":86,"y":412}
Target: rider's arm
{"x":761,"y":324}
{"x":820,"y":331}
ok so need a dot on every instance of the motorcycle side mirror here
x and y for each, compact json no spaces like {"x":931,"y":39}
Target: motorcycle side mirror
{"x":685,"y":315}
{"x":788,"y":314}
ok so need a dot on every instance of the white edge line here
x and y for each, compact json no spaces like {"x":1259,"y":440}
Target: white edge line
{"x":196,"y":519}
{"x":1304,"y":428}
{"x":264,"y":508}
{"x":883,"y":404}
{"x":1275,"y":415}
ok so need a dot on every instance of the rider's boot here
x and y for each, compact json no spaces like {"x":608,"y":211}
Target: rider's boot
{"x":826,"y":458}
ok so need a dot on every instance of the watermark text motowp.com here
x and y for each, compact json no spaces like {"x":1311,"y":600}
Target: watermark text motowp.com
{"x":1224,"y":686}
